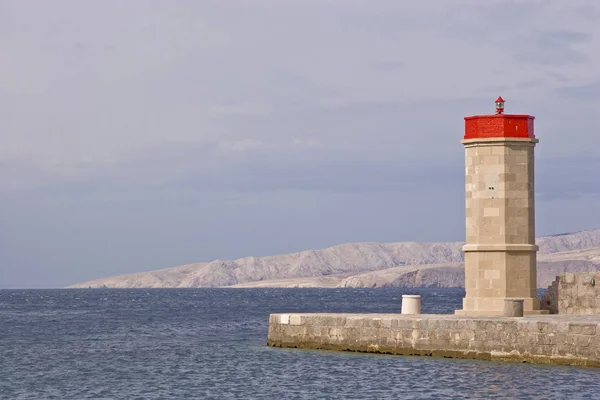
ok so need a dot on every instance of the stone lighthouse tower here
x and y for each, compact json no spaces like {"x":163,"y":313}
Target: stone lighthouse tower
{"x":500,"y":249}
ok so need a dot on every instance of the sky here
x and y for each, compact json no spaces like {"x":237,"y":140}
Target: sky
{"x":144,"y":134}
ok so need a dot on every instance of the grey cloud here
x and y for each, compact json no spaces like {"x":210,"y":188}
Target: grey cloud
{"x":496,"y":89}
{"x":517,"y":28}
{"x":558,"y":77}
{"x":490,"y":20}
{"x":533,"y":83}
{"x":589,"y":92}
{"x":553,"y":47}
{"x":394,"y":66}
{"x":527,"y":84}
{"x":264,"y":170}
{"x":186,"y":131}
{"x":321,"y":170}
{"x":354,"y":140}
{"x":567,"y":177}
{"x":588,"y":12}
{"x":329,"y":175}
{"x":149,"y":93}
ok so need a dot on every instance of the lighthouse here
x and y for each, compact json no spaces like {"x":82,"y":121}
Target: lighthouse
{"x":500,"y":249}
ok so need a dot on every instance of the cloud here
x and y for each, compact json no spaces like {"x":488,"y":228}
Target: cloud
{"x":590,"y":12}
{"x":164,"y":124}
{"x":567,"y":178}
{"x":306,"y":143}
{"x":240,"y":145}
{"x":589,"y":92}
{"x":520,"y":29}
{"x":177,"y":76}
{"x":553,"y":48}
{"x":243,"y":110}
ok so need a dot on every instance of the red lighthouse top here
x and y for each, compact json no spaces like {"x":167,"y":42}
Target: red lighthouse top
{"x":499,"y":125}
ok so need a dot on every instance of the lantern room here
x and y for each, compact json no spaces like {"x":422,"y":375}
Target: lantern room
{"x":499,"y":125}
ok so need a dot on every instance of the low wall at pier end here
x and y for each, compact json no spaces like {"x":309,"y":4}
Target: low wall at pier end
{"x":573,"y":293}
{"x":545,"y":339}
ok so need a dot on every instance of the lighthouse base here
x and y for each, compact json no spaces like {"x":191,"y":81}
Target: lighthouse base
{"x":490,"y":306}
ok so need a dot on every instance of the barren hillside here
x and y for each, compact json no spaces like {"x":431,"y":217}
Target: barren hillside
{"x":407,"y":264}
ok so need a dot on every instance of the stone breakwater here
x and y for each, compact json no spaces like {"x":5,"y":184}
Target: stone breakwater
{"x":543,"y":339}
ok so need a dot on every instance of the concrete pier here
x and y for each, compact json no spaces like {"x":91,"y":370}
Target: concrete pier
{"x":545,"y":339}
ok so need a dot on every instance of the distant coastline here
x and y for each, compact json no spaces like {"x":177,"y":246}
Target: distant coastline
{"x":405,"y":264}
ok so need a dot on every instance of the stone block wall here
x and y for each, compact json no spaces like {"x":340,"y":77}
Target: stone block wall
{"x":573,"y":293}
{"x":500,"y":249}
{"x":566,"y":340}
{"x":499,"y":183}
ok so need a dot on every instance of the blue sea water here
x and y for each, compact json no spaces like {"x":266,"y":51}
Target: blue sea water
{"x":210,"y":344}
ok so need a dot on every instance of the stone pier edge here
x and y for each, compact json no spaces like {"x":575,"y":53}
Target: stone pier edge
{"x":545,"y":339}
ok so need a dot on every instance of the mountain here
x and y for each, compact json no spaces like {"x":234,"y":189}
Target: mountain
{"x":407,"y":264}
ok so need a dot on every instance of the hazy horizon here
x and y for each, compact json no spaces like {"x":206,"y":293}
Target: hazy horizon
{"x":146,"y":135}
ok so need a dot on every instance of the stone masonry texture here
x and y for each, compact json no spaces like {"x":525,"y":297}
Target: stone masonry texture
{"x":545,"y":339}
{"x":574,"y":294}
{"x":500,"y":250}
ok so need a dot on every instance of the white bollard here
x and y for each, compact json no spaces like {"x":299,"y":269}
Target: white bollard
{"x":411,"y":304}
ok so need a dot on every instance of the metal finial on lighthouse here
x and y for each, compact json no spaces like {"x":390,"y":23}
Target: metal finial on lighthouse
{"x":499,"y":105}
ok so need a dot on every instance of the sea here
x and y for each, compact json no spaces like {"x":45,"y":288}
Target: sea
{"x":211,"y":344}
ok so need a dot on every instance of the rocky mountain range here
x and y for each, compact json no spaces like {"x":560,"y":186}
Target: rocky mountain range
{"x":406,"y":264}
